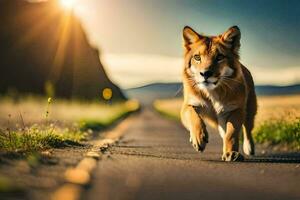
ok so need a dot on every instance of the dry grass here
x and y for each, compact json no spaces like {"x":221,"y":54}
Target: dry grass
{"x":169,"y":107}
{"x":61,"y":112}
{"x":278,"y":107}
{"x":269,"y":108}
{"x":277,"y":120}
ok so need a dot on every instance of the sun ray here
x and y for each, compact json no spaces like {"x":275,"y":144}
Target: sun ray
{"x":61,"y":46}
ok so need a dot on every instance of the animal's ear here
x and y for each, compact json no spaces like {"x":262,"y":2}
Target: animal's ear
{"x":231,"y":38}
{"x":189,"y":36}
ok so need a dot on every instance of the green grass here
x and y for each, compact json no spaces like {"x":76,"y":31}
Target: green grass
{"x":62,"y":124}
{"x":279,"y":132}
{"x":36,"y":138}
{"x":99,"y":124}
{"x":168,"y":113}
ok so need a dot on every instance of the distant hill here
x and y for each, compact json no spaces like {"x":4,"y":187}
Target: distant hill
{"x":271,"y":90}
{"x":150,"y":92}
{"x":41,"y":43}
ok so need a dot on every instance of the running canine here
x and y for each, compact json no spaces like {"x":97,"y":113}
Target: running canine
{"x":218,"y":90}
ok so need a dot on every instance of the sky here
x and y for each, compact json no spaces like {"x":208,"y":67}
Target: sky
{"x":141,"y":40}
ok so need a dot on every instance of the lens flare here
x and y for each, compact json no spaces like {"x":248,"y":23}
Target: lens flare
{"x":107,"y":94}
{"x":68,"y":4}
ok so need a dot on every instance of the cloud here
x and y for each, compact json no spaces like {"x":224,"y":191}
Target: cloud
{"x":131,"y":70}
{"x":275,"y":76}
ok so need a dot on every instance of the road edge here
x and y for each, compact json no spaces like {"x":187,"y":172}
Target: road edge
{"x":78,"y":177}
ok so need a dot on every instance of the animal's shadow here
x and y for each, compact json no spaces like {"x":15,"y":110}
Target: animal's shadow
{"x":293,"y":157}
{"x":152,"y":151}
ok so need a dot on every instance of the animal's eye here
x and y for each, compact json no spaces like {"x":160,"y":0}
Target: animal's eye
{"x":220,"y":57}
{"x":197,"y":57}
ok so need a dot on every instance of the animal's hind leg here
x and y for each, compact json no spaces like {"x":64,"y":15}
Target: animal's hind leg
{"x":248,"y":143}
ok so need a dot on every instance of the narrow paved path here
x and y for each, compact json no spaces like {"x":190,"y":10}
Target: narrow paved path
{"x":154,"y":160}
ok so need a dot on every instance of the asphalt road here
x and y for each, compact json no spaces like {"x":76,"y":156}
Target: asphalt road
{"x":155,"y":160}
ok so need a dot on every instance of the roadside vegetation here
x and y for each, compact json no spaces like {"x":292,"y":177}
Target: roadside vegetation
{"x":281,"y":132}
{"x":35,"y":124}
{"x":37,"y":138}
{"x":277,"y":120}
{"x":168,"y":108}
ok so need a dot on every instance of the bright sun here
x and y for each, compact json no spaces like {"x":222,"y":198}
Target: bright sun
{"x":68,"y":4}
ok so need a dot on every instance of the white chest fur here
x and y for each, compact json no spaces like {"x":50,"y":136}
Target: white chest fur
{"x":196,"y":101}
{"x":218,"y":106}
{"x":221,"y":107}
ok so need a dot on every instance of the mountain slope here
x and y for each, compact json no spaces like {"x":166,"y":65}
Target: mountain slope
{"x":153,"y":91}
{"x":41,"y":43}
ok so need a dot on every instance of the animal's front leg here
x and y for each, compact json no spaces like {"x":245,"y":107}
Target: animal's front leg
{"x":233,"y":125}
{"x":193,"y":122}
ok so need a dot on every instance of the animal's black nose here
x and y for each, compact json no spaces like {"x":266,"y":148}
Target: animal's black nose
{"x":206,"y":74}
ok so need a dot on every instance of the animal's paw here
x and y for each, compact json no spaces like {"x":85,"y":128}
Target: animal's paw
{"x":199,"y":141}
{"x":232,"y":156}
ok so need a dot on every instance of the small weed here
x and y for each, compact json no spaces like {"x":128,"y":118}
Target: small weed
{"x":49,"y":101}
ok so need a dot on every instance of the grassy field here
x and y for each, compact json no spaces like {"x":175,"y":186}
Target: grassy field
{"x":277,"y":120}
{"x":33,"y":124}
